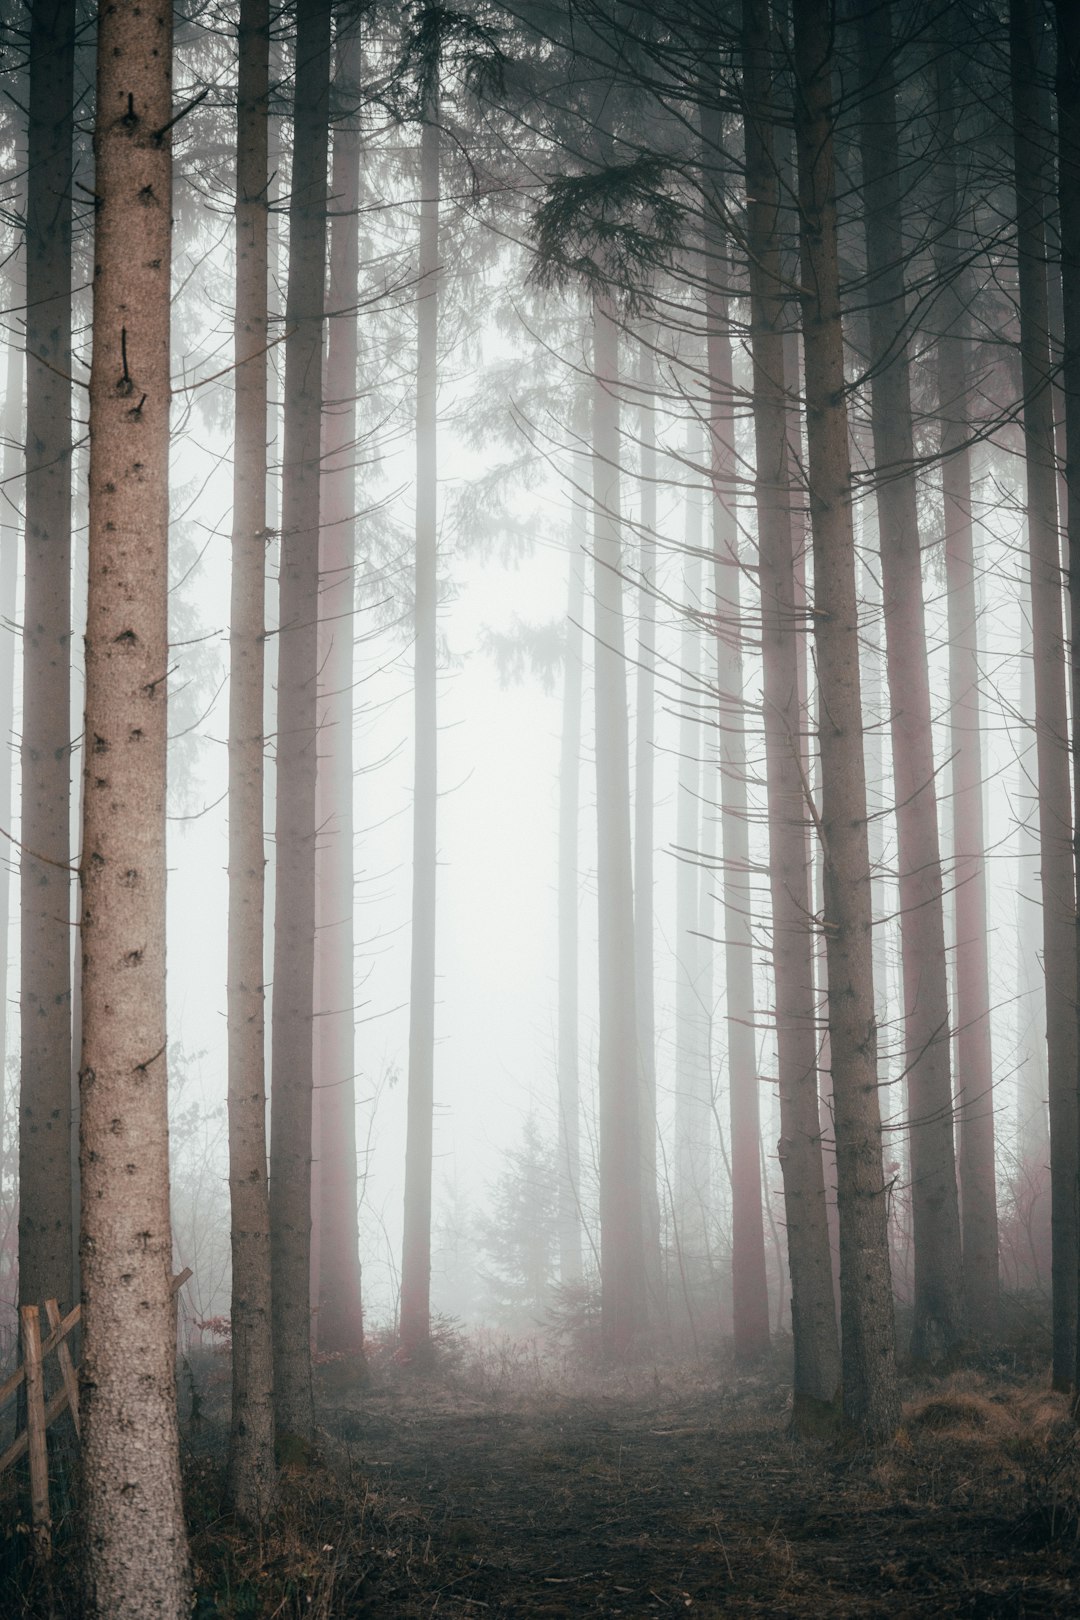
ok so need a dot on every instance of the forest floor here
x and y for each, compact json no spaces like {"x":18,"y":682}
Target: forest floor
{"x":488,"y":1489}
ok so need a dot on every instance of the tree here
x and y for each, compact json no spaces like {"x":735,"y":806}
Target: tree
{"x":974,"y":1057}
{"x":813,"y":1307}
{"x":251,"y":1437}
{"x":297,"y":736}
{"x":416,"y":1242}
{"x":1051,"y":728}
{"x":339,"y":1319}
{"x":45,"y":1207}
{"x":939,"y":1299}
{"x":135,"y":1558}
{"x":870,"y":1396}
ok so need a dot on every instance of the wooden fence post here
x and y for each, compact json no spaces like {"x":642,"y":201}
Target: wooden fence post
{"x":35,"y":1430}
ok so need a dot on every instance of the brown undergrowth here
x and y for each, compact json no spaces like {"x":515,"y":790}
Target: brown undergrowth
{"x":496,"y":1487}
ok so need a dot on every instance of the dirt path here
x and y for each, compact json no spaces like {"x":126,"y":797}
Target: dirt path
{"x":701,"y":1505}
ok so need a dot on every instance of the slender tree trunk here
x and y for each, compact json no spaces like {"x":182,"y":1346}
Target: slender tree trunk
{"x":251,"y":1482}
{"x":750,"y":1298}
{"x":340,"y":1321}
{"x":45,"y":1211}
{"x":693,"y":1087}
{"x":10,"y":468}
{"x":622,"y":1256}
{"x":569,"y":1216}
{"x":813,"y":1307}
{"x":871,"y":1399}
{"x":135,"y":1551}
{"x":1051,"y":726}
{"x":974,"y":1056}
{"x":294,"y":918}
{"x":1068,"y":103}
{"x":644,"y":809}
{"x":416,"y":1243}
{"x":939,"y":1297}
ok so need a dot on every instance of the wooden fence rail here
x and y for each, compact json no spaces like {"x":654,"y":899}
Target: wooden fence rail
{"x":40,"y":1413}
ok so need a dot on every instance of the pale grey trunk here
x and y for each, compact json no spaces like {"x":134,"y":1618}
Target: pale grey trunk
{"x":870,"y":1393}
{"x":416,"y":1242}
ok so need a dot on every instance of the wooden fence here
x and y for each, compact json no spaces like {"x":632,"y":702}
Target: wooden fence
{"x":40,"y":1413}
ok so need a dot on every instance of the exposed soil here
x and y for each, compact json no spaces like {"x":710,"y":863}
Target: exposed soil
{"x":483,"y":1494}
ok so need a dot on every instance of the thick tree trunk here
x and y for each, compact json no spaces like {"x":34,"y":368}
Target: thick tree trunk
{"x":750,"y":1299}
{"x":250,"y":1488}
{"x":1051,"y":726}
{"x":45,"y":1210}
{"x":974,"y":1057}
{"x":939,"y":1299}
{"x":622,"y":1253}
{"x":294,"y":916}
{"x":135,"y":1551}
{"x":871,"y":1398}
{"x":569,"y":1216}
{"x":340,"y":1321}
{"x":416,"y":1243}
{"x":11,"y":467}
{"x":644,"y":817}
{"x":813,"y":1307}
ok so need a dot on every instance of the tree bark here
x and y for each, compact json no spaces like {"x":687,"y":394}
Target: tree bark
{"x":870,"y":1394}
{"x":250,"y":1483}
{"x":416,"y":1242}
{"x":939,"y":1297}
{"x":135,"y":1550}
{"x":644,"y":819}
{"x":294,"y":919}
{"x":45,"y":1209}
{"x":750,"y":1298}
{"x":622,"y":1254}
{"x":974,"y":1055}
{"x":813,"y":1307}
{"x":340,"y":1320}
{"x":1051,"y":726}
{"x":569,"y":1213}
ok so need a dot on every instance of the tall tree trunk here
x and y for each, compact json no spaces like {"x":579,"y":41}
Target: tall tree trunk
{"x":939,"y":1298}
{"x":813,"y":1307}
{"x":340,"y":1321}
{"x":569,"y":1215}
{"x":135,"y":1550}
{"x":1051,"y":726}
{"x":750,"y":1298}
{"x":416,"y":1242}
{"x":45,"y":1211}
{"x":871,"y":1398}
{"x":250,"y":1487}
{"x":11,"y":467}
{"x":693,"y":1081}
{"x":622,"y":1253}
{"x":974,"y":1056}
{"x":644,"y":809}
{"x":297,"y":734}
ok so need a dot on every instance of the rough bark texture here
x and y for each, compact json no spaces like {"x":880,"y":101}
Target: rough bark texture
{"x":622,"y":1254}
{"x":251,"y":1438}
{"x":974,"y":1057}
{"x":750,"y":1299}
{"x":813,"y":1307}
{"x":938,"y":1295}
{"x":294,"y":917}
{"x":1051,"y":726}
{"x":416,"y":1243}
{"x":870,"y":1394}
{"x":135,"y":1547}
{"x":45,"y":1212}
{"x":570,"y":1257}
{"x":11,"y":467}
{"x":339,"y":1320}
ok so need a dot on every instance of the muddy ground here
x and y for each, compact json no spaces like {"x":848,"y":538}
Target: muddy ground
{"x":671,"y":1492}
